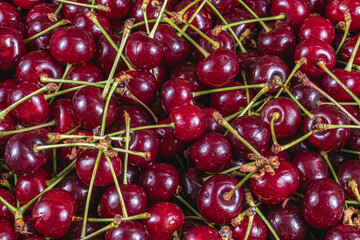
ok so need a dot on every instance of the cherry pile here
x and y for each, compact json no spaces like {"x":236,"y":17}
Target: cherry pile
{"x":179,"y":119}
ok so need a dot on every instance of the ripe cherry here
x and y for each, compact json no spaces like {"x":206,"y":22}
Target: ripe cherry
{"x":211,"y":124}
{"x":175,"y":92}
{"x":307,"y":96}
{"x":41,"y":9}
{"x":336,"y":10}
{"x":191,"y":184}
{"x":27,"y":4}
{"x":237,"y":15}
{"x":317,"y":27}
{"x":223,"y":38}
{"x":118,"y":8}
{"x":13,"y":48}
{"x":349,"y":170}
{"x":5,"y":213}
{"x":130,"y":230}
{"x":187,"y":71}
{"x":9,"y":12}
{"x":202,"y":232}
{"x":7,"y":230}
{"x":257,"y":232}
{"x":342,"y":231}
{"x":70,"y":10}
{"x":83,"y":21}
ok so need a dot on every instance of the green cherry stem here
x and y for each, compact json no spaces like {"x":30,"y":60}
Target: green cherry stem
{"x":193,"y":17}
{"x":227,"y":26}
{"x":58,"y":10}
{"x":11,"y":208}
{"x":248,"y":230}
{"x":230,"y":170}
{"x":44,"y":147}
{"x":142,"y":23}
{"x":215,"y":90}
{"x":144,"y":5}
{"x":5,"y":183}
{"x":145,"y":155}
{"x":116,"y":222}
{"x":350,"y":151}
{"x":59,"y":137}
{"x":348,"y":21}
{"x":21,"y":130}
{"x":60,"y":23}
{"x":353,"y":54}
{"x":243,"y":75}
{"x":153,"y":30}
{"x":354,"y":188}
{"x":227,"y":195}
{"x":59,"y":93}
{"x":257,"y":96}
{"x":127,"y":143}
{"x":275,"y":116}
{"x":357,"y":67}
{"x":67,"y":69}
{"x":141,"y":216}
{"x":143,"y":128}
{"x":279,"y":148}
{"x":182,"y":11}
{"x":97,"y":7}
{"x":46,"y":79}
{"x":106,"y":107}
{"x":325,"y":155}
{"x":267,"y":29}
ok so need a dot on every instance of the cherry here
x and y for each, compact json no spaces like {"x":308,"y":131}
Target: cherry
{"x":338,"y":158}
{"x":211,"y":124}
{"x":176,"y":49}
{"x":88,"y":107}
{"x":187,"y":71}
{"x":336,"y":10}
{"x":296,"y":11}
{"x":315,"y":50}
{"x":175,"y":92}
{"x":85,"y":72}
{"x":348,"y":49}
{"x":137,"y":115}
{"x":257,"y":232}
{"x":189,"y":122}
{"x":191,"y":184}
{"x":5,"y":213}
{"x":20,"y":156}
{"x":317,"y":27}
{"x":211,"y":203}
{"x":202,"y":232}
{"x":279,"y":41}
{"x":34,"y":110}
{"x":6,"y":87}
{"x":289,"y":119}
{"x":349,"y":171}
{"x":130,"y":230}
{"x":132,"y":175}
{"x":328,"y":140}
{"x":118,"y":8}
{"x":72,"y":45}
{"x":160,"y":181}
{"x":237,"y":15}
{"x":260,"y":7}
{"x":27,"y":4}
{"x":74,"y":232}
{"x":307,"y":96}
{"x":35,"y":64}
{"x":354,"y":141}
{"x":12,"y":48}
{"x":342,"y":231}
{"x":265,"y":69}
{"x":85,"y":166}
{"x":254,"y":131}
{"x":246,"y":59}
{"x":18,"y":26}
{"x":29,"y":228}
{"x":82,"y":21}
{"x":9,"y":12}
{"x":144,"y":52}
{"x":160,"y":72}
{"x":39,"y":10}
{"x":70,"y":10}
{"x":7,"y":231}
{"x":218,"y":69}
{"x":223,"y":38}
{"x":287,"y":221}
{"x":29,"y":186}
{"x":134,"y":196}
{"x":323,"y":198}
{"x":165,"y":219}
{"x":53,"y":213}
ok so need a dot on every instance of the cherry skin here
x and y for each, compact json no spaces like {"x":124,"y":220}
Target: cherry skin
{"x":161,"y":74}
{"x":134,"y":196}
{"x":191,"y":184}
{"x":65,"y":118}
{"x":18,"y":26}
{"x":175,"y":92}
{"x":187,"y":71}
{"x":27,"y":4}
{"x":317,"y":27}
{"x":20,"y":156}
{"x":325,"y":197}
{"x":7,"y":124}
{"x":349,"y":171}
{"x":72,"y":45}
{"x":246,"y":59}
{"x":5,"y":213}
{"x":144,"y":52}
{"x":35,"y":64}
{"x":248,"y":127}
{"x":257,"y":232}
{"x":260,"y":7}
{"x":307,"y":96}
{"x":310,"y":166}
{"x":329,"y":140}
{"x":287,"y":221}
{"x":211,"y":152}
{"x":119,"y":8}
{"x":336,"y":10}
{"x":7,"y":231}
{"x":273,"y":189}
{"x":13,"y":48}
{"x":70,"y":10}
{"x":29,"y":228}
{"x":88,"y":106}
{"x":9,"y":12}
{"x":342,"y":232}
{"x":137,"y":115}
{"x":130,"y":230}
{"x":211,"y":124}
{"x":289,"y":119}
{"x":202,"y":232}
{"x":165,"y":219}
{"x":85,"y":165}
{"x":348,"y":49}
{"x":74,"y":232}
{"x":82,"y":21}
{"x":160,"y":181}
{"x":224,"y":39}
{"x":211,"y":203}
{"x":39,"y":10}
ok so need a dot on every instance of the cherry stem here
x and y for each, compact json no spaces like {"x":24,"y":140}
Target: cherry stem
{"x":354,"y":188}
{"x":332,"y":126}
{"x":143,"y":8}
{"x":142,"y":23}
{"x":127,"y":143}
{"x":353,"y":54}
{"x":153,"y":30}
{"x":60,"y":23}
{"x":13,"y":132}
{"x":66,"y":72}
{"x":193,"y":17}
{"x":234,"y":115}
{"x":357,"y":67}
{"x":11,"y":208}
{"x":44,"y":147}
{"x":196,"y":45}
{"x":227,"y":195}
{"x":227,"y":26}
{"x":215,"y":90}
{"x":351,"y":202}
{"x":182,"y":11}
{"x":248,"y":230}
{"x":5,"y":183}
{"x":275,"y":116}
{"x":141,"y":216}
{"x":98,"y":7}
{"x":52,"y":95}
{"x":279,"y":148}
{"x":217,"y":116}
{"x":46,"y":79}
{"x":145,"y":155}
{"x":171,"y":125}
{"x":230,"y":170}
{"x":60,"y":137}
{"x":267,"y":29}
{"x":350,"y":151}
{"x":243,"y":75}
{"x":92,"y":5}
{"x":257,"y":96}
{"x":106,"y":107}
{"x":112,"y":225}
{"x":116,"y":182}
{"x":48,"y":87}
{"x":325,"y":155}
{"x":181,"y":199}
{"x":348,"y":21}
{"x":58,"y":10}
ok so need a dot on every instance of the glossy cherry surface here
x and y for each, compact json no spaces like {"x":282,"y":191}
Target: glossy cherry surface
{"x":82,"y":21}
{"x":202,"y":232}
{"x":187,"y":71}
{"x":342,"y":232}
{"x":349,"y":170}
{"x":7,"y":231}
{"x":70,"y":10}
{"x":308,"y":97}
{"x":224,"y":39}
{"x":130,"y":230}
{"x":246,"y":59}
{"x":18,"y":26}
{"x":175,"y":92}
{"x":257,"y":232}
{"x":237,"y":15}
{"x":211,"y":124}
{"x":27,"y":4}
{"x":39,"y":10}
{"x":12,"y":48}
{"x":191,"y":184}
{"x":323,"y":198}
{"x":336,"y":10}
{"x":5,"y":213}
{"x":7,"y":124}
{"x":317,"y":27}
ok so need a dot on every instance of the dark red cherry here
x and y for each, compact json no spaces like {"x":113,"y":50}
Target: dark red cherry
{"x":130,"y":230}
{"x":88,"y":107}
{"x":35,"y":64}
{"x":296,"y":11}
{"x":328,"y":140}
{"x":246,"y":59}
{"x":287,"y":221}
{"x":348,"y":49}
{"x":254,"y":131}
{"x":29,"y":228}
{"x":317,"y":27}
{"x":211,"y":152}
{"x":310,"y":166}
{"x":160,"y":74}
{"x":187,"y":71}
{"x":336,"y":10}
{"x":74,"y":232}
{"x":203,"y":232}
{"x":315,"y":50}
{"x":343,"y":232}
{"x":289,"y":119}
{"x":258,"y":229}
{"x":282,"y":156}
{"x":260,"y":7}
{"x":34,"y":110}
{"x":72,"y":45}
{"x":70,"y":10}
{"x":224,"y":39}
{"x":175,"y":92}
{"x":134,"y":196}
{"x":20,"y":156}
{"x":273,"y":189}
{"x":5,"y":213}
{"x":18,"y":26}
{"x":218,"y":69}
{"x":144,"y":52}
{"x":307,"y":96}
{"x":41,"y":9}
{"x":211,"y":203}
{"x":211,"y":124}
{"x":165,"y":219}
{"x":82,"y":21}
{"x":279,"y":41}
{"x":189,"y":122}
{"x":27,"y":4}
{"x":188,"y":225}
{"x":53,"y":213}
{"x":7,"y":230}
{"x":68,"y":154}
{"x":85,"y":166}
{"x":338,"y":158}
{"x":349,"y":170}
{"x":137,"y":115}
{"x":132,"y":175}
{"x":237,"y":15}
{"x":29,"y":186}
{"x":191,"y":184}
{"x":354,"y":141}
{"x":323,"y":198}
{"x":318,"y":6}
{"x":118,"y":8}
{"x":7,"y":124}
{"x":9,"y":12}
{"x":160,"y":181}
{"x":299,"y":147}
{"x":176,"y":49}
{"x":12,"y":48}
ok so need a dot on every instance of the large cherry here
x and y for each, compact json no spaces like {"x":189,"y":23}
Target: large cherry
{"x":203,"y":232}
{"x":175,"y":92}
{"x":349,"y":170}
{"x":223,"y":38}
{"x":307,"y":96}
{"x":5,"y":213}
{"x":237,"y":15}
{"x":343,"y":232}
{"x":118,"y":8}
{"x":129,"y":230}
{"x":12,"y":48}
{"x":257,"y":232}
{"x":317,"y":27}
{"x":336,"y":10}
{"x":191,"y":184}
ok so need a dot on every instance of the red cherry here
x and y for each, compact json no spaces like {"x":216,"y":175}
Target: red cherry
{"x":27,"y":4}
{"x":224,"y":39}
{"x":9,"y":12}
{"x":118,"y":8}
{"x":336,"y":10}
{"x":13,"y":48}
{"x":70,"y":10}
{"x":175,"y":92}
{"x":82,"y":21}
{"x":343,"y":231}
{"x":307,"y":96}
{"x":349,"y":170}
{"x":130,"y":230}
{"x":7,"y":230}
{"x":211,"y":124}
{"x":203,"y":232}
{"x":258,"y":229}
{"x":187,"y":71}
{"x":5,"y":213}
{"x":41,"y":9}
{"x":317,"y":27}
{"x":191,"y":184}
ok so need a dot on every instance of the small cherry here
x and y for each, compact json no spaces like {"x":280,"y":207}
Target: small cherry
{"x":342,"y":231}
{"x":118,"y":8}
{"x":191,"y":184}
{"x":237,"y":15}
{"x":41,"y":9}
{"x":27,"y":4}
{"x":187,"y":71}
{"x":83,"y":21}
{"x":211,"y":124}
{"x":175,"y":92}
{"x":71,"y":10}
{"x":336,"y":10}
{"x":7,"y":230}
{"x":307,"y":96}
{"x":223,"y":38}
{"x":9,"y":12}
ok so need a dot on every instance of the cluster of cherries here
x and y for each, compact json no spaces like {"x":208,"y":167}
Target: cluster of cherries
{"x":179,"y":119}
